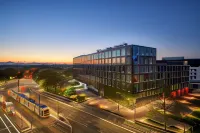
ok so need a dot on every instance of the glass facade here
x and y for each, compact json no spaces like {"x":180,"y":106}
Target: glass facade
{"x":130,"y":68}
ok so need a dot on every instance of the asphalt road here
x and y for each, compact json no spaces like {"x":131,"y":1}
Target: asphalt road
{"x":5,"y":124}
{"x":81,"y":119}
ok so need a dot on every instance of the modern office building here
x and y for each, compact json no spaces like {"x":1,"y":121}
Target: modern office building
{"x":194,"y":73}
{"x":131,"y":69}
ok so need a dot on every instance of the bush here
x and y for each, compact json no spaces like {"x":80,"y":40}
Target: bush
{"x":196,"y":113}
{"x":74,"y":83}
{"x":69,"y":92}
{"x":81,"y":98}
{"x":73,"y":97}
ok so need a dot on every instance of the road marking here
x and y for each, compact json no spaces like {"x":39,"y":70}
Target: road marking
{"x":90,"y":114}
{"x":3,"y":129}
{"x":11,"y":123}
{"x":62,"y":122}
{"x":5,"y":124}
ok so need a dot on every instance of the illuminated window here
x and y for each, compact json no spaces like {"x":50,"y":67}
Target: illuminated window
{"x":136,"y":78}
{"x":118,"y":60}
{"x":113,"y":60}
{"x":123,"y":60}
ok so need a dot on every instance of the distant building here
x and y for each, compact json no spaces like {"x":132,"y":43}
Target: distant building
{"x":130,"y":69}
{"x":194,"y":64}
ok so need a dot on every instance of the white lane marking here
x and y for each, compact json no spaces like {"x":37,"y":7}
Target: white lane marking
{"x":3,"y":129}
{"x":11,"y":123}
{"x":62,"y":122}
{"x":90,"y":114}
{"x":5,"y":124}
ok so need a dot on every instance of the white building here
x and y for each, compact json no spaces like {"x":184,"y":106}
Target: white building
{"x":195,"y":77}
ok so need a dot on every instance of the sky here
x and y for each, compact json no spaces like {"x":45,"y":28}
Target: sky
{"x":58,"y":30}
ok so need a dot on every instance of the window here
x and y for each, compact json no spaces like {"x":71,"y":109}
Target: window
{"x":141,"y":78}
{"x":128,"y":78}
{"x":99,"y":55}
{"x":136,"y":88}
{"x":114,"y":53}
{"x":141,"y":49}
{"x":123,"y":77}
{"x":118,"y":52}
{"x":123,"y":52}
{"x":135,"y":51}
{"x":141,"y":60}
{"x":113,"y":60}
{"x":109,"y":82}
{"x":128,"y":60}
{"x":135,"y":78}
{"x":154,"y":52}
{"x":128,"y":69}
{"x":147,"y":51}
{"x":109,"y":61}
{"x":118,"y":85}
{"x":118,"y":61}
{"x":118,"y":76}
{"x":109,"y":54}
{"x":106,"y":54}
{"x":146,"y":61}
{"x":150,"y":69}
{"x":142,"y":69}
{"x":122,"y":69}
{"x":114,"y":76}
{"x":128,"y":52}
{"x":135,"y":70}
{"x":102,"y":55}
{"x":102,"y":61}
{"x":150,"y":61}
{"x":122,"y":60}
{"x":106,"y":61}
{"x":135,"y":60}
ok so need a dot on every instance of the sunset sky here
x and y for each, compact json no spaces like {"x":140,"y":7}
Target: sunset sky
{"x":58,"y":30}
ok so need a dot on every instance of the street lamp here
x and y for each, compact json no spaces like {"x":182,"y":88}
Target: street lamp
{"x":118,"y":96}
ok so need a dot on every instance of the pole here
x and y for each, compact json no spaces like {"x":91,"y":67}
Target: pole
{"x":134,"y":112}
{"x":31,"y":122}
{"x":18,"y":84}
{"x":39,"y":104}
{"x":184,"y":128}
{"x":58,"y":109}
{"x":164,"y":108}
{"x":18,"y":75}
